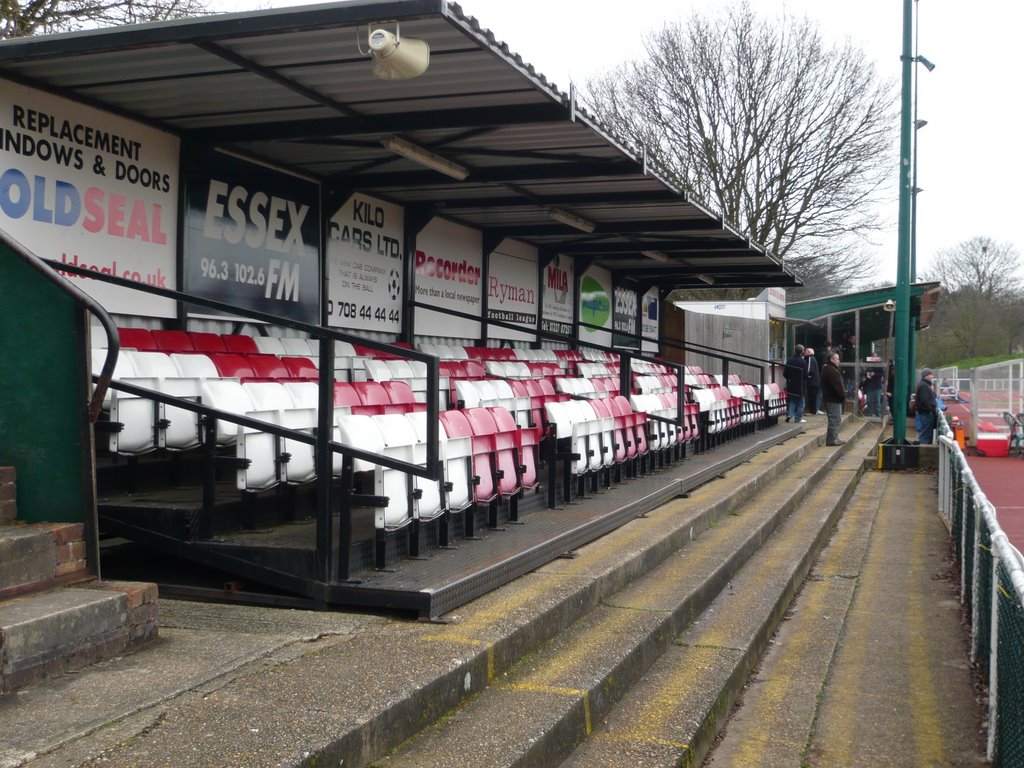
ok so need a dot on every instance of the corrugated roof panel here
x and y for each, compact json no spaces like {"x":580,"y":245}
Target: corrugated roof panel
{"x":290,"y":87}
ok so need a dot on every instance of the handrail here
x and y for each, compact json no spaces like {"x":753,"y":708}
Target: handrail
{"x":82,"y":299}
{"x":975,"y":572}
{"x":431,"y":469}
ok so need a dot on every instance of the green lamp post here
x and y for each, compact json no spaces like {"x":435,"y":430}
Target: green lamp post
{"x":902,"y":362}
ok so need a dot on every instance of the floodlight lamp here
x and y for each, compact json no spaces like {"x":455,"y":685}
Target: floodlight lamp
{"x":927,"y":64}
{"x":920,"y":123}
{"x":572,"y":220}
{"x":425,"y":157}
{"x":395,"y":57}
{"x":706,"y":279}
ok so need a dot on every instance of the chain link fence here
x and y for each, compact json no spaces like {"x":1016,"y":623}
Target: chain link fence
{"x":992,"y":589}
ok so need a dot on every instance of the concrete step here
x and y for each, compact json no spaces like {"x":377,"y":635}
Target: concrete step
{"x":49,"y":632}
{"x":673,"y":715}
{"x":47,"y":626}
{"x":40,"y":556}
{"x":549,"y":702}
{"x":352,"y":699}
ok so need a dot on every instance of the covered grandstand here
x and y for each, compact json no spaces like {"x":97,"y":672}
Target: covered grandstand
{"x":374,"y":317}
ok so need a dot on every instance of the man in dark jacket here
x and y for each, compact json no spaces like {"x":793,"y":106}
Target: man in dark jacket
{"x":813,"y":382}
{"x":927,"y":410}
{"x":796,"y":384}
{"x":833,"y":395}
{"x":871,"y":386}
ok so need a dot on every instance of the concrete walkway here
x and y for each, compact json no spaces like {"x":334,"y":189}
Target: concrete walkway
{"x":871,"y":667}
{"x":878,"y":620}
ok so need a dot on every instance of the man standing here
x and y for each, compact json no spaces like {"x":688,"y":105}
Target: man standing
{"x":924,"y":402}
{"x":796,"y":381}
{"x":813,"y":382}
{"x":871,"y":386}
{"x":833,"y":395}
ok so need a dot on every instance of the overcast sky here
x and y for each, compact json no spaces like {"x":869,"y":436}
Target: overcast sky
{"x":970,"y":162}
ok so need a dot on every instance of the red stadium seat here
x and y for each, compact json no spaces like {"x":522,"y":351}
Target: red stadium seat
{"x":232,"y":366}
{"x":301,"y":368}
{"x":137,"y":338}
{"x":207,"y":343}
{"x":267,"y":367}
{"x":239,"y":345}
{"x":173,"y":341}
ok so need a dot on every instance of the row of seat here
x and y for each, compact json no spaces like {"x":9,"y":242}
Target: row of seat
{"x":180,"y":373}
{"x":485,"y":459}
{"x":353,"y":359}
{"x":588,"y":388}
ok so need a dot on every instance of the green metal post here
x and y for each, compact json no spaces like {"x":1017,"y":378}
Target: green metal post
{"x":901,"y":387}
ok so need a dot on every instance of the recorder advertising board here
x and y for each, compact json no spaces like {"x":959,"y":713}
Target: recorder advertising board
{"x":449,"y":270}
{"x":90,"y":189}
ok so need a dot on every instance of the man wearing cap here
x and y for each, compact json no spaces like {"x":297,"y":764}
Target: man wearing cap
{"x":924,"y":400}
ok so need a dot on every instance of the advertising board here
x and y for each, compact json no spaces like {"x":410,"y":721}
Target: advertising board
{"x":449,"y":270}
{"x":252,"y":238}
{"x":364,"y":265}
{"x":512,"y":289}
{"x":93,"y":190}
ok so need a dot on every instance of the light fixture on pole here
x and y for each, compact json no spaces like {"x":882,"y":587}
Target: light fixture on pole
{"x":572,"y":220}
{"x":396,"y":57}
{"x":664,"y":258}
{"x":922,"y":60}
{"x":706,"y":279}
{"x":425,"y":157}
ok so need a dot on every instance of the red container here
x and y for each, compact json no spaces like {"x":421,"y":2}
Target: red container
{"x":993,"y":444}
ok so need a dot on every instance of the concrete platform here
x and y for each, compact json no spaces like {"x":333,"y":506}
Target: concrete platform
{"x":237,"y":685}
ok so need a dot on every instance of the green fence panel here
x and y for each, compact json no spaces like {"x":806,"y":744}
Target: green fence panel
{"x":1009,"y":740}
{"x":983,"y":599}
{"x":43,"y":429}
{"x":968,"y":553}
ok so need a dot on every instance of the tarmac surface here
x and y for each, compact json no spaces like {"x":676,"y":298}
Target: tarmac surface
{"x":246,"y":686}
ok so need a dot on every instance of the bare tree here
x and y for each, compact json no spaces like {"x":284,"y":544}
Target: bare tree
{"x":979,"y":264}
{"x":793,"y":140}
{"x":22,"y":19}
{"x":979,"y":311}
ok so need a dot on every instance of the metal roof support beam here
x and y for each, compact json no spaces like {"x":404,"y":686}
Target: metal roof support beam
{"x":525,"y":200}
{"x":611,"y":228}
{"x":354,"y":124}
{"x":512,"y":174}
{"x":680,"y":247}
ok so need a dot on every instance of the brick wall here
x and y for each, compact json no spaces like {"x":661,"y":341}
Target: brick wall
{"x":8,"y":495}
{"x":70,"y":541}
{"x":142,"y":608}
